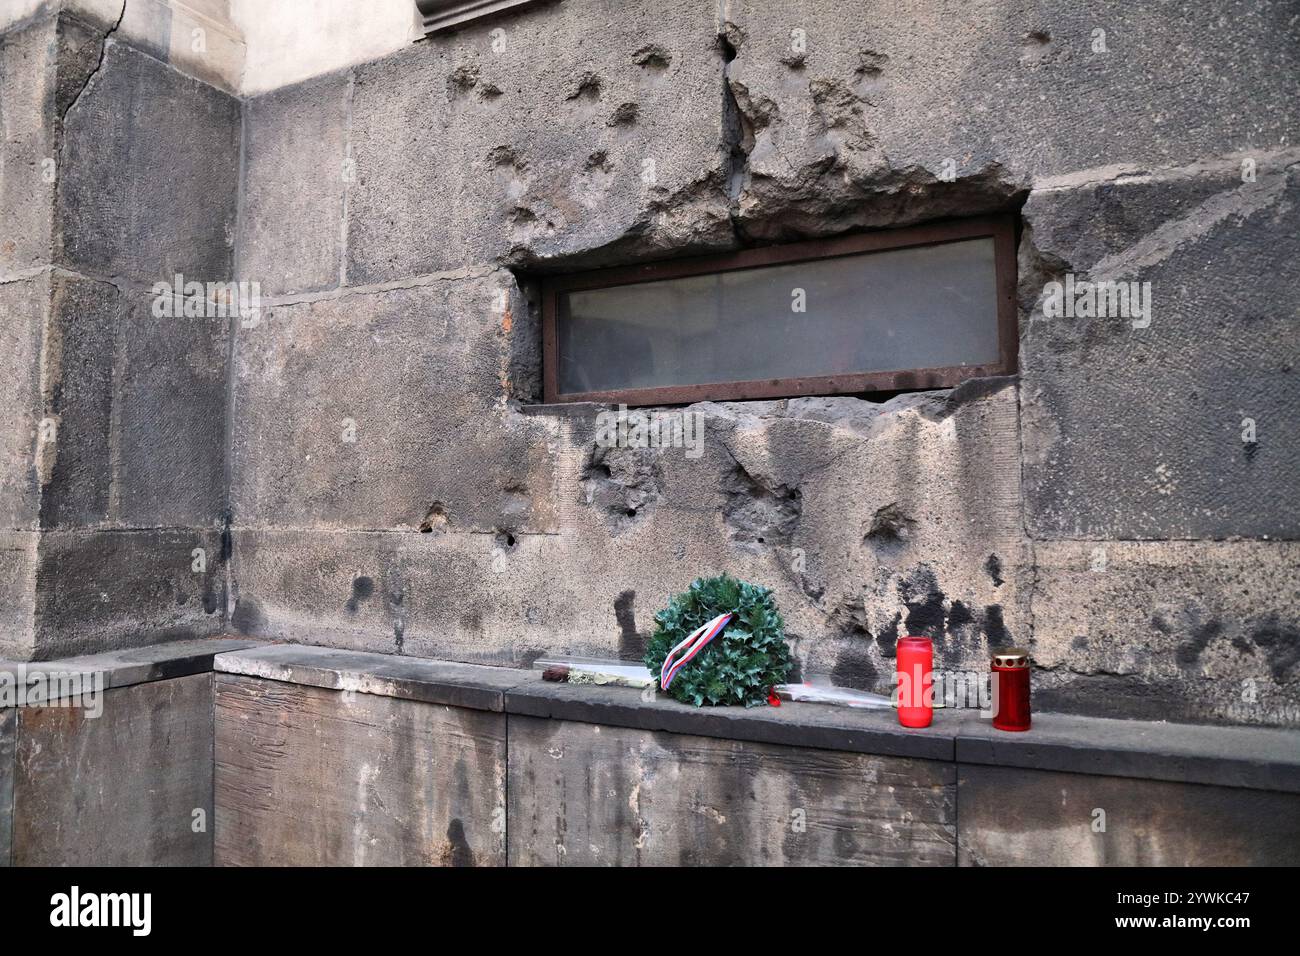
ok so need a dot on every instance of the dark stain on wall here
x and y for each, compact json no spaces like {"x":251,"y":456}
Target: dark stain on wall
{"x":362,"y":588}
{"x":924,"y":602}
{"x":631,"y":645}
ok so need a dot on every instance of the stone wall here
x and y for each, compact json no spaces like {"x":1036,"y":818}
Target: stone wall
{"x":1100,"y":508}
{"x":375,"y":442}
{"x":118,"y":172}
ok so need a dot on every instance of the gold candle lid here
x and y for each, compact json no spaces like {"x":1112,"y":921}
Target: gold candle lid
{"x":1011,"y":657}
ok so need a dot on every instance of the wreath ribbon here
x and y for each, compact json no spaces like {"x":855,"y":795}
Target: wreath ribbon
{"x":696,"y":642}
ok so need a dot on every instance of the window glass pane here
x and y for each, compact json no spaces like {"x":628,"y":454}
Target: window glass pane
{"x":911,"y":308}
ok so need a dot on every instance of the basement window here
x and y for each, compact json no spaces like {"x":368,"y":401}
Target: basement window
{"x":923,"y":307}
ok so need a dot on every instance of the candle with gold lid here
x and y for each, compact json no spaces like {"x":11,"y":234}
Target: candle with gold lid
{"x":1010,"y":687}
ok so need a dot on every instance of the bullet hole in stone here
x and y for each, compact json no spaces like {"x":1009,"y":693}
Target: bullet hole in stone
{"x":437,"y":519}
{"x":652,"y":57}
{"x":461,"y":80}
{"x":728,"y":41}
{"x":598,"y":160}
{"x":1036,"y":47}
{"x":624,"y":115}
{"x":622,"y":482}
{"x":588,"y":88}
{"x":505,"y":540}
{"x":890,"y":530}
{"x":362,"y":588}
{"x":994,"y":568}
{"x":505,"y":156}
{"x":759,"y":512}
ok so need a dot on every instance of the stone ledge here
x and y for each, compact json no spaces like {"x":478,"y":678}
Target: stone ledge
{"x":1254,"y":758}
{"x":139,"y":665}
{"x":472,"y":686}
{"x":820,"y":726}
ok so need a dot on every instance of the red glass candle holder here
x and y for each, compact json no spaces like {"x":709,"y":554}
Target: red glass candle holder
{"x":915,"y":665}
{"x":1010,"y":688}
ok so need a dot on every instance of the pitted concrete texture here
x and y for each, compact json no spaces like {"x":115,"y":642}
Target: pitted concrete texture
{"x":368,"y":456}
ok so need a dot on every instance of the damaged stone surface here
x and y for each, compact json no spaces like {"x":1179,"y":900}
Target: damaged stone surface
{"x":388,"y":483}
{"x":470,"y":149}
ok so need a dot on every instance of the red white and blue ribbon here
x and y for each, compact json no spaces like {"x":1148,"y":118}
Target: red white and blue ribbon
{"x":696,"y":642}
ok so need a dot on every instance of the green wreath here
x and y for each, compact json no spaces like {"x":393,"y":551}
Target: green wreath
{"x":739,"y":666}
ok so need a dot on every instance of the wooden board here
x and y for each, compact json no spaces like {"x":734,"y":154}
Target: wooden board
{"x":582,"y":794}
{"x":1020,"y":817}
{"x":119,"y":789}
{"x":313,"y":777}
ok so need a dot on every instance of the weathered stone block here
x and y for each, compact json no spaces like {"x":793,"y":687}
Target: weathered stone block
{"x":171,"y":419}
{"x":306,"y":776}
{"x":121,"y":789}
{"x":385,"y":410}
{"x":853,"y":113}
{"x":102,"y":590}
{"x":25,"y":306}
{"x":148,"y":177}
{"x":477,"y":145}
{"x":1013,"y":817}
{"x":28,"y":71}
{"x":18,"y":560}
{"x":1189,"y":426}
{"x":585,"y":795}
{"x":76,"y":468}
{"x":1178,"y":630}
{"x":296,"y":173}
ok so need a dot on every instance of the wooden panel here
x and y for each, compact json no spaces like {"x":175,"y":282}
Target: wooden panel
{"x":1040,"y":818}
{"x":582,"y":794}
{"x":314,"y":777}
{"x":119,"y":789}
{"x":8,"y":720}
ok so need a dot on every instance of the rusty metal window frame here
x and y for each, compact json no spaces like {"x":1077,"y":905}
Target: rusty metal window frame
{"x":1001,"y":229}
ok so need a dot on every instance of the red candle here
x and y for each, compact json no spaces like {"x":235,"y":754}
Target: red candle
{"x":1011,"y":689}
{"x":915,"y":663}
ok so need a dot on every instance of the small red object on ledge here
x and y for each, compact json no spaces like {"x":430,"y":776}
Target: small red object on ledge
{"x":915,"y":665}
{"x":1010,"y":687}
{"x":772,"y":699}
